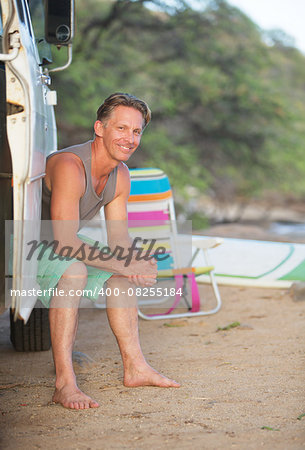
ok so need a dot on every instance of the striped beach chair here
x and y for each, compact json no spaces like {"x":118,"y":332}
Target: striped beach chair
{"x":151,"y":218}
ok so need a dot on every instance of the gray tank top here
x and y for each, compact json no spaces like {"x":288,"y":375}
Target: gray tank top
{"x":90,"y":203}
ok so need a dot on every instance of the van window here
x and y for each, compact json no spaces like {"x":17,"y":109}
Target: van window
{"x":20,"y":11}
{"x":36,"y":10}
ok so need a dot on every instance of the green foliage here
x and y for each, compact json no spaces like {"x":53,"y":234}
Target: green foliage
{"x":228,"y":103}
{"x":199,"y":221}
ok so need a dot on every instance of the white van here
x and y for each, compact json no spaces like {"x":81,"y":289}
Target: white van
{"x":27,"y":136}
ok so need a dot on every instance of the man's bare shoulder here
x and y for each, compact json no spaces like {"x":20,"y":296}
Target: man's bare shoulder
{"x":116,"y":209}
{"x":123,"y":173}
{"x":64,"y":161}
{"x":64,"y":168}
{"x":123,"y":179}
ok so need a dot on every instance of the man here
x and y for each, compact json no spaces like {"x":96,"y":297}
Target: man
{"x":79,"y":181}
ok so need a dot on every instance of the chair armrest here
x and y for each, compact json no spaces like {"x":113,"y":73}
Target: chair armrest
{"x":169,"y":273}
{"x":205,"y":244}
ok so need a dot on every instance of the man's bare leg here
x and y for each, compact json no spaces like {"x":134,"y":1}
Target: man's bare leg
{"x":124,"y":324}
{"x":63,"y":316}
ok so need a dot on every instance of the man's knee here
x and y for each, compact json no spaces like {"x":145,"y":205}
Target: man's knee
{"x":76,"y":275}
{"x":118,"y":282}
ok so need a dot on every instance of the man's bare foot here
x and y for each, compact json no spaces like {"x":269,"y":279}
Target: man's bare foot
{"x":147,"y":376}
{"x":73,"y":398}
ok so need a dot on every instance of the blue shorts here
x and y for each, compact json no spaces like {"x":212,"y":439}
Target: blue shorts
{"x":50,"y":271}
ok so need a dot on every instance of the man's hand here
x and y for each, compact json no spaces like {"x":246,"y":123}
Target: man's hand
{"x":142,"y":273}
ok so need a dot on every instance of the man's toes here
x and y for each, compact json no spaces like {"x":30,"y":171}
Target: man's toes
{"x":93,"y":404}
{"x":69,"y":405}
{"x":167,"y":382}
{"x":88,"y":404}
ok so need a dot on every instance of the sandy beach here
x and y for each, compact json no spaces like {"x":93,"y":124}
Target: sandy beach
{"x":242,"y":387}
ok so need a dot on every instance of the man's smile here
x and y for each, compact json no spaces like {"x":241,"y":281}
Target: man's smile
{"x":126,"y":148}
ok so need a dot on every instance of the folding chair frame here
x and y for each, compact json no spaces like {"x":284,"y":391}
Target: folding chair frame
{"x":200,"y":244}
{"x":203,"y":245}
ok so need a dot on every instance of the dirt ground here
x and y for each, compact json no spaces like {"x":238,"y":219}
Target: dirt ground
{"x":241,"y":388}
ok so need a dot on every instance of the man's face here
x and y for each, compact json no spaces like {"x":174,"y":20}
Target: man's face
{"x":122,"y":133}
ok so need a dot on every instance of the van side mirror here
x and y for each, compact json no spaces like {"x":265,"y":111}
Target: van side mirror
{"x":59,"y":21}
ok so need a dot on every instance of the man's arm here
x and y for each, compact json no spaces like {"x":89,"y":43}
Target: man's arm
{"x":66,"y":180}
{"x":116,"y":211}
{"x":140,"y":272}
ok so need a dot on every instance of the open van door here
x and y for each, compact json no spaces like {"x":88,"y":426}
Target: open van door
{"x":28,"y":135}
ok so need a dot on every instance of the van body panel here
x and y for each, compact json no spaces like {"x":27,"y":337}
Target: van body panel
{"x":31,"y":134}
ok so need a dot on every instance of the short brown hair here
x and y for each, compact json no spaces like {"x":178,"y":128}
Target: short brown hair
{"x":121,"y":99}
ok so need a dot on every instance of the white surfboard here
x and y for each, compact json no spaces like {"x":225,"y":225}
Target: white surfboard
{"x":248,"y":262}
